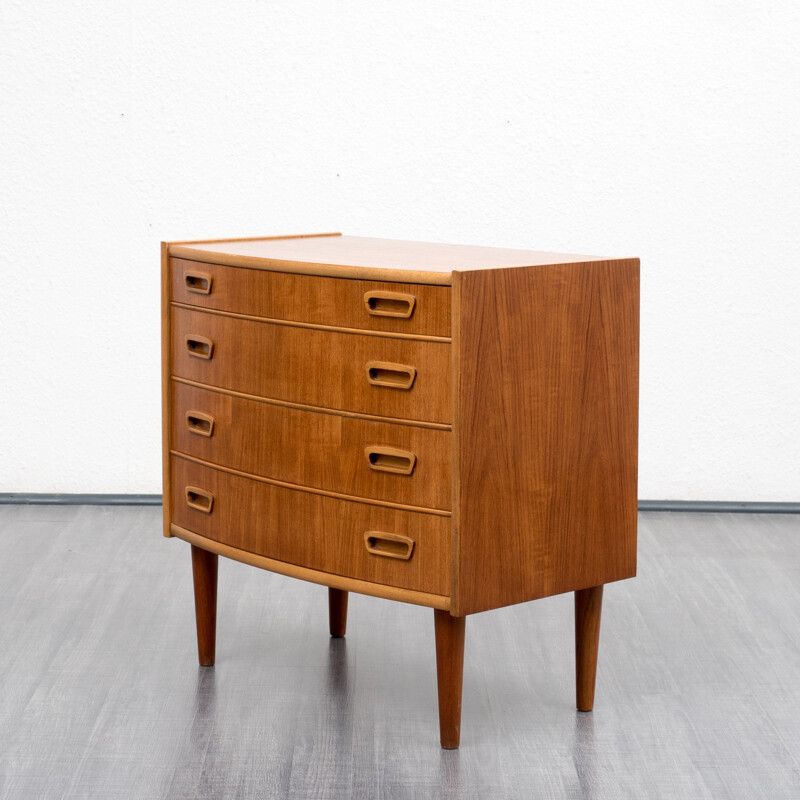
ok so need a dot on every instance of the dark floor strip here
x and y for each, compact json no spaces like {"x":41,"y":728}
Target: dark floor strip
{"x":713,"y":506}
{"x":54,"y":499}
{"x":720,"y":506}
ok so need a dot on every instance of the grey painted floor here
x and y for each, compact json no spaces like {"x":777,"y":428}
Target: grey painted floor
{"x":698,"y":690}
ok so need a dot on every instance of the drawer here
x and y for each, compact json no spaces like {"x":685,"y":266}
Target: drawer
{"x":370,"y":305}
{"x":380,"y":460}
{"x":314,"y":531}
{"x":313,"y":366}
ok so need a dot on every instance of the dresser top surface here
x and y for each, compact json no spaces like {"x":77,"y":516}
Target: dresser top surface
{"x":410,"y":261}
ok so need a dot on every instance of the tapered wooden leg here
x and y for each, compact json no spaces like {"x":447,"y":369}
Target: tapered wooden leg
{"x":588,"y":605}
{"x":450,"y":674}
{"x":337,"y":611}
{"x":204,"y":569}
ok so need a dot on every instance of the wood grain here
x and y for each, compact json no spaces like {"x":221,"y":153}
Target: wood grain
{"x":293,"y":323}
{"x":436,"y":426}
{"x":367,"y":258}
{"x":205,"y":570}
{"x":588,"y":608}
{"x":311,"y":299}
{"x":305,"y":365}
{"x":324,"y":451}
{"x":449,"y":675}
{"x":352,"y":585}
{"x":547,"y":429}
{"x":313,"y":531}
{"x":300,"y":488}
{"x":273,"y":237}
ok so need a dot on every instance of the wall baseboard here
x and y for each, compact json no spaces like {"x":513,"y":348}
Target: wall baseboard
{"x":54,"y":499}
{"x":720,"y":506}
{"x":713,"y":506}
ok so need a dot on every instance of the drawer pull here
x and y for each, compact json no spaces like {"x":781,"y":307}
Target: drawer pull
{"x":391,"y":545}
{"x":199,"y":499}
{"x":390,"y":459}
{"x":199,"y":346}
{"x":198,"y":282}
{"x":393,"y":376}
{"x":390,"y":304}
{"x":200,"y":423}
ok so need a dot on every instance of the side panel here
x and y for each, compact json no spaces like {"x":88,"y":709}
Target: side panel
{"x":166,"y":403}
{"x":547,"y":426}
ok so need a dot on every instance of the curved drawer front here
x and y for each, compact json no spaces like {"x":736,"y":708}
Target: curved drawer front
{"x":405,"y":549}
{"x":344,"y":371}
{"x":380,"y":460}
{"x":369,"y":305}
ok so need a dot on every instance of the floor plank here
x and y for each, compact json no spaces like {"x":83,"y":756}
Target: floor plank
{"x":698,"y":690}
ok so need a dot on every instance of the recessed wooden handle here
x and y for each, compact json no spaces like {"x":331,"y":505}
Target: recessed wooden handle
{"x":198,"y":282}
{"x":199,"y":499}
{"x":200,"y":423}
{"x":199,"y":346}
{"x":390,"y":304}
{"x":390,"y":459}
{"x":393,"y":376}
{"x":390,"y":545}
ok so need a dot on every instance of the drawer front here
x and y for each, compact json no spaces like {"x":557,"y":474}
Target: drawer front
{"x":345,"y":371}
{"x":369,"y":305}
{"x":312,"y":530}
{"x":380,"y":460}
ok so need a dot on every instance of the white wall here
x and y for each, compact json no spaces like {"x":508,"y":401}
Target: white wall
{"x":666,"y":132}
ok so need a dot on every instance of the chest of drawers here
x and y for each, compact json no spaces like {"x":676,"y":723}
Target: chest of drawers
{"x":449,"y":426}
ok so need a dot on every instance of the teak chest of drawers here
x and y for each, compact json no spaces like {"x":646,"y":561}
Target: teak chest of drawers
{"x":449,"y":426}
